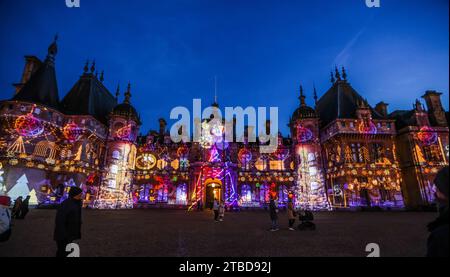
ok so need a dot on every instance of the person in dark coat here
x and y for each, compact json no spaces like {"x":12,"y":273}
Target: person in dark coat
{"x":17,"y":207}
{"x":291,"y":214}
{"x":24,"y":207}
{"x":437,"y":244}
{"x":68,"y":221}
{"x":216,"y":207}
{"x":273,"y":210}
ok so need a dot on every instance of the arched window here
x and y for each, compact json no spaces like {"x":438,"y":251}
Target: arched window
{"x":181,"y":194}
{"x":264,"y":194}
{"x":282,"y":194}
{"x":246,"y":194}
{"x":162,"y":194}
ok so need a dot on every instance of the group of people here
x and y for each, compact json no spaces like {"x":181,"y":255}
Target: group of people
{"x":67,"y":221}
{"x":306,"y":217}
{"x":21,"y":207}
{"x":68,"y":218}
{"x":19,"y":211}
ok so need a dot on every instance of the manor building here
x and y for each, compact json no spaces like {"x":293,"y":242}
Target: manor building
{"x":341,"y":153}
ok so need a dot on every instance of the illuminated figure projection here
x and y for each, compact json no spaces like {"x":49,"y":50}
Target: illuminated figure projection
{"x":310,"y":191}
{"x":116,"y":188}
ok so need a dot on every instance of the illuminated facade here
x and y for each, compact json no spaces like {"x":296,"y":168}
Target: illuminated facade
{"x":341,"y":153}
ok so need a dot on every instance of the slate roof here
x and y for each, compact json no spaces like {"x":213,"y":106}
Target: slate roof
{"x":89,"y":97}
{"x":42,"y":87}
{"x":340,"y":101}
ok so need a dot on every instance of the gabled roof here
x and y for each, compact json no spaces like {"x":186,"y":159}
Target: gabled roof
{"x":42,"y":87}
{"x":340,"y":101}
{"x":89,"y":97}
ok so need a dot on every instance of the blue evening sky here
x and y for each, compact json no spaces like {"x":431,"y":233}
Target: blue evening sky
{"x":260,"y":50}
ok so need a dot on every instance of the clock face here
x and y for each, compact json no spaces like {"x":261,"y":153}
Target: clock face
{"x":125,"y":133}
{"x":304,"y":134}
{"x":145,"y":161}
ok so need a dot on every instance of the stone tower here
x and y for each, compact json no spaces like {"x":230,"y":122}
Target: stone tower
{"x":116,"y":187}
{"x":310,"y":184}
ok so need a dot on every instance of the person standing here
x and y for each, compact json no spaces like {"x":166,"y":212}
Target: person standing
{"x":5,"y":218}
{"x":17,"y":207}
{"x":221,"y":210}
{"x":199,"y":205}
{"x":68,"y":221}
{"x":273,"y":210}
{"x":24,"y":209}
{"x":216,"y":209}
{"x":437,"y":243}
{"x":291,"y":214}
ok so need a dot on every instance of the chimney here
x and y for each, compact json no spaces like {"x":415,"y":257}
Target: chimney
{"x":267,"y":127}
{"x":435,"y":110}
{"x":381,"y":108}
{"x":32,"y":64}
{"x":162,"y":126}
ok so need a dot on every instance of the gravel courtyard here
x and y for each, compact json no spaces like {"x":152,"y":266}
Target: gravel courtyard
{"x":244,"y":234}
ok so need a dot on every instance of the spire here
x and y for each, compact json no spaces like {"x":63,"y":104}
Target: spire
{"x":93,"y":67}
{"x":127,"y":94}
{"x":53,"y":48}
{"x":102,"y":76}
{"x":302,"y":97}
{"x":117,"y":92}
{"x":215,"y":103}
{"x":315,"y":94}
{"x":344,"y":74}
{"x":337,"y":74}
{"x":332,"y":77}
{"x":362,"y":103}
{"x":418,"y":106}
{"x":51,"y":52}
{"x":86,"y":67}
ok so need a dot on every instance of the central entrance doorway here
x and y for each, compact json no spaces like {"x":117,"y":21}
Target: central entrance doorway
{"x":213,"y":191}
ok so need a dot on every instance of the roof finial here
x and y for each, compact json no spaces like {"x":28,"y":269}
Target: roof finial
{"x":53,"y":48}
{"x":338,"y":75}
{"x":302,"y":97}
{"x":86,"y":67}
{"x":315,"y":94}
{"x":117,"y":92}
{"x":344,"y":74}
{"x":419,"y":107}
{"x":215,"y":104}
{"x":93,"y":67}
{"x":102,"y":76}
{"x":128,"y":94}
{"x":215,"y":89}
{"x":359,"y":103}
{"x":332,"y":77}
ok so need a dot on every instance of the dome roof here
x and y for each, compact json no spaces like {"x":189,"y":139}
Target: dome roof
{"x":304,"y":112}
{"x":126,"y":110}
